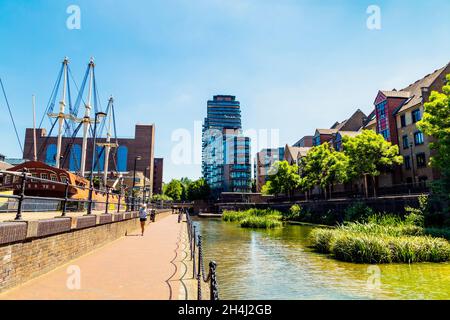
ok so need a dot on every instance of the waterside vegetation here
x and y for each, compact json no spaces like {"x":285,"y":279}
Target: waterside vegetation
{"x":255,"y":218}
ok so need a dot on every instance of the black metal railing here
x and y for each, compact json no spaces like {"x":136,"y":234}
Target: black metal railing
{"x":126,"y":202}
{"x":196,"y":255}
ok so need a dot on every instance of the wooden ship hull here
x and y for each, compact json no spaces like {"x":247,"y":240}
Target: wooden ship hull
{"x":48,"y":189}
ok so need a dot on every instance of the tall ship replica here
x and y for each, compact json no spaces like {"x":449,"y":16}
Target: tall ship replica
{"x":68,"y":125}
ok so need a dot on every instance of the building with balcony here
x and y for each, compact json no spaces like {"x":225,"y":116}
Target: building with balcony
{"x":226,"y":164}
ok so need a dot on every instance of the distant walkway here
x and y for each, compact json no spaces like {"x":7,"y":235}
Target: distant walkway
{"x":30,"y":216}
{"x":132,"y":267}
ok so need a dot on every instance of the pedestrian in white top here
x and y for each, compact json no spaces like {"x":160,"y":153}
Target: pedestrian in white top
{"x":143,"y":217}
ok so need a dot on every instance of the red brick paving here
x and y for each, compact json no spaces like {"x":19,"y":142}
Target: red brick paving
{"x":132,"y":267}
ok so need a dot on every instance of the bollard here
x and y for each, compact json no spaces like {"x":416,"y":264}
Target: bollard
{"x":107,"y":200}
{"x":66,"y":198}
{"x":22,"y":196}
{"x":118,"y":203}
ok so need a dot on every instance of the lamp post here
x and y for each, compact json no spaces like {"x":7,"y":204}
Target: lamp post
{"x":136,"y":159}
{"x":94,"y":142}
{"x":145,"y":185}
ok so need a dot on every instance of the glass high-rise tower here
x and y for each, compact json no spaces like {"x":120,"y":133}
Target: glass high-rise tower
{"x":225,"y":151}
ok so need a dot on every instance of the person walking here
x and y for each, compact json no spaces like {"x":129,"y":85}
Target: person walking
{"x":143,"y":217}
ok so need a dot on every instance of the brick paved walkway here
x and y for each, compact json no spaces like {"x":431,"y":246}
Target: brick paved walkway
{"x":132,"y":267}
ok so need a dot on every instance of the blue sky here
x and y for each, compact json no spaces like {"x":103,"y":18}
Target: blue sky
{"x":294,"y":65}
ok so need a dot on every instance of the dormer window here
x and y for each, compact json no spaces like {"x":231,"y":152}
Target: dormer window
{"x":416,"y":116}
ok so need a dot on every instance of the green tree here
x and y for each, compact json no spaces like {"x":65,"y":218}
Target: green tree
{"x":436,"y":123}
{"x":185,"y":182}
{"x":323,"y":166}
{"x":283,"y":178}
{"x":198,"y":190}
{"x":173,"y":189}
{"x":368,"y":154}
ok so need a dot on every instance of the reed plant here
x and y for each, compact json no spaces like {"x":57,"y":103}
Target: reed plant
{"x":254,"y":218}
{"x":382,"y":241}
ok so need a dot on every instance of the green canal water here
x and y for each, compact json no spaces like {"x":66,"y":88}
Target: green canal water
{"x":278,"y":264}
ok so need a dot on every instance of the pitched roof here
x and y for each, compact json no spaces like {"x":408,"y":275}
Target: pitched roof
{"x":326,"y":131}
{"x":296,"y":151}
{"x":415,"y":90}
{"x":396,"y":94}
{"x":349,"y":133}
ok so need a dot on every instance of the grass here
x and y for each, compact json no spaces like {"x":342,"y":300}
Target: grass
{"x":254,"y":218}
{"x":438,"y":232}
{"x":381,"y":240}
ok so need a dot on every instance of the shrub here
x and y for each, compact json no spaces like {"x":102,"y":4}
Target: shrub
{"x":381,"y":242}
{"x":383,"y":230}
{"x":233,"y":216}
{"x":419,"y":249}
{"x":294,"y":213}
{"x":254,"y":218}
{"x":267,"y":222}
{"x":360,"y":248}
{"x":358,"y":212}
{"x":321,"y":239}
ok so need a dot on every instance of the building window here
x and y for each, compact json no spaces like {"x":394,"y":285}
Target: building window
{"x":122,"y":157}
{"x":44,"y":176}
{"x":63,"y":179}
{"x":385,"y":134}
{"x":7,"y":179}
{"x":75,"y":158}
{"x":53,"y":177}
{"x":416,"y":116}
{"x":418,"y":138}
{"x":405,"y":142}
{"x":35,"y":175}
{"x":421,"y":160}
{"x":317,"y":140}
{"x":407,"y":161}
{"x":403,"y":120}
{"x":50,"y":156}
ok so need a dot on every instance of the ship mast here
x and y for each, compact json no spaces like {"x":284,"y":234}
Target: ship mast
{"x":87,"y":121}
{"x":61,"y":116}
{"x":108,"y":145}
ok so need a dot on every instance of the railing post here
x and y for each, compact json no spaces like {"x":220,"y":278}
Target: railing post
{"x":91,"y":191}
{"x":193,"y":253}
{"x":199,"y":267}
{"x":213,"y":286}
{"x":118,"y":203}
{"x":66,"y":198}
{"x":107,"y":200}
{"x":22,"y":195}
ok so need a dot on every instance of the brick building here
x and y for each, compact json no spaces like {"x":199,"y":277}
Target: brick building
{"x":264,"y":161}
{"x":397,"y":114}
{"x":158,"y":175}
{"x":121,"y":160}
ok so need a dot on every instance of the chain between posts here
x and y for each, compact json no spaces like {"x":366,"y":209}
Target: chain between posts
{"x":198,"y":270}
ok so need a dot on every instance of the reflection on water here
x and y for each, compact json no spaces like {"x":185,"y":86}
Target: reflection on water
{"x":277,"y":264}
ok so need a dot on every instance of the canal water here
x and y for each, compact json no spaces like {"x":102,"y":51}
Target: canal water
{"x":278,"y":264}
